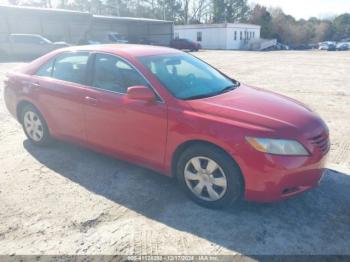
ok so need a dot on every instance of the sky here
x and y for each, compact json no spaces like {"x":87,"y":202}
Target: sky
{"x":308,"y":8}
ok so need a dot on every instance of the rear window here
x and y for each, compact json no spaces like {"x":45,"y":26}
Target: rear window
{"x":70,"y":67}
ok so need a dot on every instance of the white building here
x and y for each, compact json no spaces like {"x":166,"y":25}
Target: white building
{"x":221,"y":36}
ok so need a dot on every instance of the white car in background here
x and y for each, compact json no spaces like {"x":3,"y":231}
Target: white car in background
{"x":329,"y":46}
{"x":27,"y":46}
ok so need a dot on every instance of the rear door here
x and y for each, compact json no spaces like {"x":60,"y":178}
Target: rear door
{"x":62,"y":93}
{"x":134,"y":129}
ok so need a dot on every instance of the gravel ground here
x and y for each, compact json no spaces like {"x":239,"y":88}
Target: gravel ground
{"x":68,"y":200}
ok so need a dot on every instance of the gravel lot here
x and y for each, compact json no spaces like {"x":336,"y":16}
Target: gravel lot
{"x":68,"y":200}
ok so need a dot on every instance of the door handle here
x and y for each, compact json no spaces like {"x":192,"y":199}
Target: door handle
{"x":35,"y":85}
{"x":91,"y":100}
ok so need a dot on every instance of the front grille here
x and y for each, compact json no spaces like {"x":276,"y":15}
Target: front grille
{"x":321,"y":142}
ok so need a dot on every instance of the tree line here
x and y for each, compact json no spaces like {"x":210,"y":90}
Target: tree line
{"x":273,"y":21}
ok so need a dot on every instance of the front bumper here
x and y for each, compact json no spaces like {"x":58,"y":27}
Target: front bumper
{"x":270,"y":178}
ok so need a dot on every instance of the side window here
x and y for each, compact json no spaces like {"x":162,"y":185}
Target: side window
{"x":34,"y":40}
{"x":45,"y":70}
{"x":25,"y":39}
{"x":71,"y":67}
{"x":113,"y":74}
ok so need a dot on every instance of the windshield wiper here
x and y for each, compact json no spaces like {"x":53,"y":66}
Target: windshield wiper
{"x":198,"y":96}
{"x":227,"y":89}
{"x":224,"y":90}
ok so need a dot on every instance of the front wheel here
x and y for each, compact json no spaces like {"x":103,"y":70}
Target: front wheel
{"x":209,"y":176}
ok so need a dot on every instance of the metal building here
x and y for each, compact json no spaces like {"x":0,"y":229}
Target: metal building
{"x":56,"y":25}
{"x":72,"y":26}
{"x":157,"y":31}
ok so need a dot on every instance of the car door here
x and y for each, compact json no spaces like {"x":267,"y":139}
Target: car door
{"x":62,"y":87}
{"x":130,"y":128}
{"x":18,"y":46}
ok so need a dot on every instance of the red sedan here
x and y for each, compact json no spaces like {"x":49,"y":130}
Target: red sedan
{"x":171,"y":112}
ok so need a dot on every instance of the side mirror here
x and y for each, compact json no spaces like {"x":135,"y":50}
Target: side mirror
{"x":141,"y":93}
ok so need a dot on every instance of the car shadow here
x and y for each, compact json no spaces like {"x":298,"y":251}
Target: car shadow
{"x":317,"y":222}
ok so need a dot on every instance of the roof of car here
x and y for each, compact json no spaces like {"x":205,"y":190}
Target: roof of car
{"x":126,"y":49}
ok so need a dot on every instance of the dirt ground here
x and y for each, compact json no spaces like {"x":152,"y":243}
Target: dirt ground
{"x":68,"y":200}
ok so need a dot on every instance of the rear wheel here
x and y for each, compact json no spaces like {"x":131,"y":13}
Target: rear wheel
{"x":34,"y":126}
{"x":209,"y":176}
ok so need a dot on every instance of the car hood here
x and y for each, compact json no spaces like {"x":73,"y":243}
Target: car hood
{"x":259,"y":109}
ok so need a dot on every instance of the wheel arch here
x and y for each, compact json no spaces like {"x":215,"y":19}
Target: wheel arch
{"x":182,"y":147}
{"x":20,"y":105}
{"x":19,"y":108}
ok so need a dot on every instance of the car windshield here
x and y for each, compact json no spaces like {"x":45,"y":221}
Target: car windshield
{"x":116,"y":37}
{"x":46,"y":40}
{"x":187,"y":77}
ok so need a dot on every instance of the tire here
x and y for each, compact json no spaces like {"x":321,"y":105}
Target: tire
{"x":35,"y":126}
{"x":225,"y":179}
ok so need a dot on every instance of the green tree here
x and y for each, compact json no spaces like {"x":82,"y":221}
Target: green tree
{"x":342,"y":26}
{"x":231,"y":11}
{"x":260,"y":16}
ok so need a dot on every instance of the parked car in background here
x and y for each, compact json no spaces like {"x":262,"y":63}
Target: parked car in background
{"x":343,"y":46}
{"x":301,"y":47}
{"x":332,"y":46}
{"x":323,"y":46}
{"x":280,"y":46}
{"x":103,"y":38}
{"x":221,"y":139}
{"x":133,"y":39}
{"x":182,"y":44}
{"x":313,"y":46}
{"x":328,"y":46}
{"x":117,"y":38}
{"x":277,"y":46}
{"x":27,"y":46}
{"x":85,"y":41}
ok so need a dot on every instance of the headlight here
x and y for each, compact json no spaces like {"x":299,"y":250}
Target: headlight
{"x":278,"y":146}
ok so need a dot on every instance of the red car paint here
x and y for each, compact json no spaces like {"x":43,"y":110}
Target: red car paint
{"x":150,"y":133}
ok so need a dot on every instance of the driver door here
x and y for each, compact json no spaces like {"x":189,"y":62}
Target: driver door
{"x":133,"y":129}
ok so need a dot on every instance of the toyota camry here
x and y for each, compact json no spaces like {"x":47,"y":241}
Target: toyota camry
{"x":171,"y":112}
